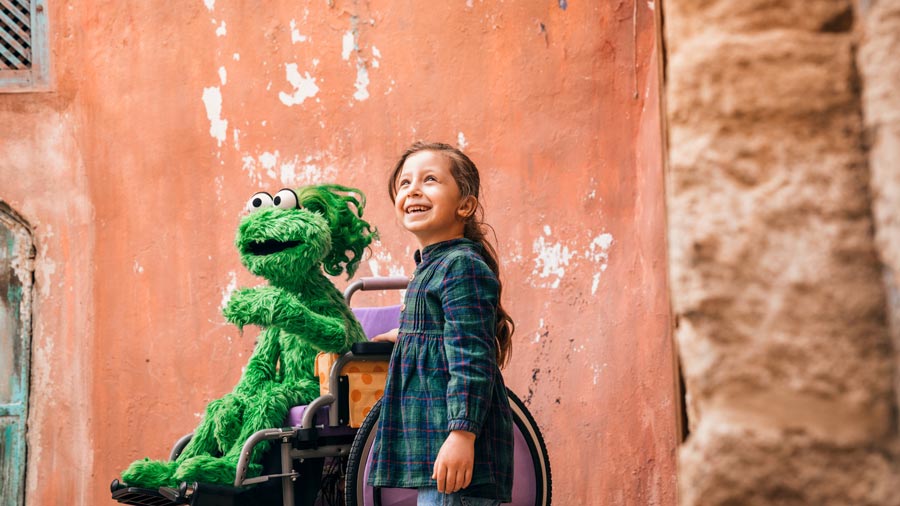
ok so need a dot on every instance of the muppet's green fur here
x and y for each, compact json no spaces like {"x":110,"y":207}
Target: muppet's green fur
{"x":300,"y":313}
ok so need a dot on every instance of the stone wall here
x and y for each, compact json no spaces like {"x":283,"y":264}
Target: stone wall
{"x":879,"y":66}
{"x":776,"y":278}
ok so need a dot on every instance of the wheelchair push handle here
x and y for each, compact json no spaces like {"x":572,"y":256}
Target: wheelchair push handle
{"x":375,"y":283}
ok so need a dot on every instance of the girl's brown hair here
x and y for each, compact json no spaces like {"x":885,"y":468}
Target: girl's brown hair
{"x":466,"y":176}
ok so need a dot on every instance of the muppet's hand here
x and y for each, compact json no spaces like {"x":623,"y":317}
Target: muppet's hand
{"x":254,"y":306}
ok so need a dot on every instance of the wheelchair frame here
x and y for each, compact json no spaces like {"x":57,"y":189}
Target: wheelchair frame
{"x":302,"y":442}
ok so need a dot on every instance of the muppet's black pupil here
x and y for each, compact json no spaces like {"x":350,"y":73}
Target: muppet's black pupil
{"x":257,"y":202}
{"x":277,"y":200}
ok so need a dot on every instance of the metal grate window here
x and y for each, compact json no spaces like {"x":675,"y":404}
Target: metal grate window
{"x":23,"y":45}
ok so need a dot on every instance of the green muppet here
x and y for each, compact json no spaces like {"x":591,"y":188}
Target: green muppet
{"x":288,"y":240}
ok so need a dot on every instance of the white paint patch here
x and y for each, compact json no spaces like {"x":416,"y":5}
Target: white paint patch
{"x":299,"y":172}
{"x":362,"y":82}
{"x":470,"y":3}
{"x":347,"y":45}
{"x":237,"y":139}
{"x":651,"y":5}
{"x":384,"y":258}
{"x":547,"y":230}
{"x":212,"y":99}
{"x":599,"y":248}
{"x":461,"y":141}
{"x":268,"y":160}
{"x":598,"y":252}
{"x":223,"y":76}
{"x":304,"y":87}
{"x":289,"y":171}
{"x":537,"y":335}
{"x":46,"y":269}
{"x":315,"y":62}
{"x":138,"y":268}
{"x":220,"y":184}
{"x":550,"y":260}
{"x":376,"y":55}
{"x":229,"y":289}
{"x":221,"y":31}
{"x":210,"y":4}
{"x":236,"y":57}
{"x":296,"y":36}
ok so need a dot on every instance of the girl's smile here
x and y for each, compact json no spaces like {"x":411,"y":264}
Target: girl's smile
{"x":428,"y":201}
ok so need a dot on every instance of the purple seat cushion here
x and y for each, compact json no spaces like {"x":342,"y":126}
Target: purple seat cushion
{"x":377,"y":320}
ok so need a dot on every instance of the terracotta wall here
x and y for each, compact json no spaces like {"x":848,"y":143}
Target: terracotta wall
{"x":165,"y":117}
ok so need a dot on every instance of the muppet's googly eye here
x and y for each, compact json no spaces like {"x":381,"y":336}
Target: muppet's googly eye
{"x":286,"y":199}
{"x":259,"y":201}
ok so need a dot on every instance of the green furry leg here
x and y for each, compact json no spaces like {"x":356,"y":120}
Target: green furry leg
{"x":206,"y":469}
{"x":150,"y":473}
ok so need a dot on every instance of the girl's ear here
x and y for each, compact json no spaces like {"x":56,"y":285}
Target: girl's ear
{"x":467,"y":207}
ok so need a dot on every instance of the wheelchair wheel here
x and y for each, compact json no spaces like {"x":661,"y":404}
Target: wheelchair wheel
{"x":531,"y":473}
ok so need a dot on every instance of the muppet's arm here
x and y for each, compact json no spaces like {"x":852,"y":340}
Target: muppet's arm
{"x":268,"y":306}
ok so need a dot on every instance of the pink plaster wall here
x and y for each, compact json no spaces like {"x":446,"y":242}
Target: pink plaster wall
{"x":134,"y":184}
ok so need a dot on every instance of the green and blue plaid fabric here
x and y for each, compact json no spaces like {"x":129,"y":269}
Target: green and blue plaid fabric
{"x":443,"y":376}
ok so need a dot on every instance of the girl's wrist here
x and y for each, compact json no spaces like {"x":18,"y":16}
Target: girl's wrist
{"x":463,"y":434}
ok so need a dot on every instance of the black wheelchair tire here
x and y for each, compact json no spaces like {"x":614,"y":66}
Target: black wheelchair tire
{"x":365,"y":437}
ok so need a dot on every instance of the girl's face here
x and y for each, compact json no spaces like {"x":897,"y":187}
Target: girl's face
{"x":428,"y":201}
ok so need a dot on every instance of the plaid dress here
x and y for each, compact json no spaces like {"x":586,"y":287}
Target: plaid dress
{"x":443,"y":376}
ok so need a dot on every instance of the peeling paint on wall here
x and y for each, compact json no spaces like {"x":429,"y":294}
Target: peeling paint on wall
{"x":304,"y":86}
{"x":296,"y":36}
{"x":290,"y":172}
{"x":212,"y":99}
{"x":551,"y":259}
{"x":229,"y":289}
{"x":382,"y":258}
{"x":362,"y":83}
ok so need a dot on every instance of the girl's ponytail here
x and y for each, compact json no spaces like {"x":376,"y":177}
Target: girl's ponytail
{"x":474,"y":231}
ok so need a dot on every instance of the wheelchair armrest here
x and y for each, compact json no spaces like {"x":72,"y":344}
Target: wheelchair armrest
{"x":372,"y":348}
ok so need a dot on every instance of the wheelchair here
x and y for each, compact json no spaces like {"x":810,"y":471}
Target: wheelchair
{"x":323,"y":454}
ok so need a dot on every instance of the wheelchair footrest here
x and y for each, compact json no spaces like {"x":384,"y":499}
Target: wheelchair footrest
{"x":197,"y":494}
{"x":138,"y":496}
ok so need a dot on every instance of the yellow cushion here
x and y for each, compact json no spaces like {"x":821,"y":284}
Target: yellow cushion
{"x":365,"y":379}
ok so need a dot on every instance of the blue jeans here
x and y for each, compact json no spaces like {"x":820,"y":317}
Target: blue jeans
{"x":429,"y":496}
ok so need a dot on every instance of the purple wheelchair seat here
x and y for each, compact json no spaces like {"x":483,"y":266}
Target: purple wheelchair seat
{"x":377,"y":320}
{"x":374,"y":321}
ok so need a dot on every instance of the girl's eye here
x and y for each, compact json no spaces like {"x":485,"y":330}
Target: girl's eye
{"x":403,"y":182}
{"x":259,"y":201}
{"x":430,"y":178}
{"x":286,"y":199}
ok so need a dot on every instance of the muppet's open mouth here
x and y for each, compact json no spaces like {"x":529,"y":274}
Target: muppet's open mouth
{"x":269,"y":247}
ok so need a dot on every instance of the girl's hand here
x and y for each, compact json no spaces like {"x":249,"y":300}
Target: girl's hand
{"x":388,"y":337}
{"x":454,"y":463}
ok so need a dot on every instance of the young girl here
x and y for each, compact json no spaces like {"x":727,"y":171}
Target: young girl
{"x":445,"y":426}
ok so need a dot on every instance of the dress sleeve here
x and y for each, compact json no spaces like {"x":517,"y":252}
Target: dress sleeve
{"x":469,"y":300}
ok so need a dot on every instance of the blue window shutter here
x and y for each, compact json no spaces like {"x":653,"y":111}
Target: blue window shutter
{"x":24,"y":46}
{"x":16,"y":279}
